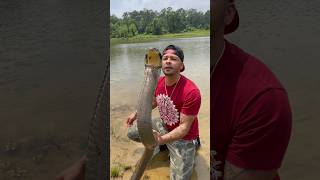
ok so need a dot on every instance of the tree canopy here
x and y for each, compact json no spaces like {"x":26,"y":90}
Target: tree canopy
{"x":152,"y":22}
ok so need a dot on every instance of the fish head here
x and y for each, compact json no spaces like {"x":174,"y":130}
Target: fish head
{"x":153,"y":58}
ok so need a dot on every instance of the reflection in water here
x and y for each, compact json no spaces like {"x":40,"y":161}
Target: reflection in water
{"x":126,"y":77}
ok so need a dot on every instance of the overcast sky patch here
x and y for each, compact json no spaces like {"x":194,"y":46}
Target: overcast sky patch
{"x":118,"y":7}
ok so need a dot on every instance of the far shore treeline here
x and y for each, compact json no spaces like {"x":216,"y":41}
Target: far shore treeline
{"x":167,"y":21}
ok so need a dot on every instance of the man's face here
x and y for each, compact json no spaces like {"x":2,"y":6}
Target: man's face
{"x":171,"y":63}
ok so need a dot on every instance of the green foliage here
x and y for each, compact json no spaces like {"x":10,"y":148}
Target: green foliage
{"x":132,"y":30}
{"x":115,"y":171}
{"x":118,"y":169}
{"x":157,"y":23}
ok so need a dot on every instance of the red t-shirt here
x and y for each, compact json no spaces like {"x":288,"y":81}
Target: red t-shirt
{"x":185,"y":98}
{"x":250,"y":114}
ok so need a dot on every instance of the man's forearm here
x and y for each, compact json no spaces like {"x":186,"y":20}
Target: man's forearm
{"x":176,"y":134}
{"x":180,"y":131}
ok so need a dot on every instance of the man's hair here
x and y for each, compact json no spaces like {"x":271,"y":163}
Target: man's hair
{"x":177,"y":50}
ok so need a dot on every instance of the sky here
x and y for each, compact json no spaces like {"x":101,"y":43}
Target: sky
{"x":118,"y":7}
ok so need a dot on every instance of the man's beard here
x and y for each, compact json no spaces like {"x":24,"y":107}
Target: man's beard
{"x":171,"y":73}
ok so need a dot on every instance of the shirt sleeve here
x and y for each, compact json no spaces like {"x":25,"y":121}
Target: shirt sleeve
{"x":192,"y":103}
{"x":263,"y":132}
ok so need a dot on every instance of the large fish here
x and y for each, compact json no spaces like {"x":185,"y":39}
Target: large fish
{"x":144,"y":120}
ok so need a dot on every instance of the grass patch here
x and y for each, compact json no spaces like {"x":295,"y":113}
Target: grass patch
{"x":195,"y":33}
{"x":149,"y":38}
{"x":116,"y":171}
{"x":136,"y":39}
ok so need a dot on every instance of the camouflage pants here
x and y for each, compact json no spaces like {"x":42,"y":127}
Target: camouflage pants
{"x":181,"y":152}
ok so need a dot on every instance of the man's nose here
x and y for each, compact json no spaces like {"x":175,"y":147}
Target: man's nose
{"x":168,"y":61}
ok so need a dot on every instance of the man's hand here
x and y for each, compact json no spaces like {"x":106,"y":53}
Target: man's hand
{"x":74,"y":172}
{"x":157,"y":136}
{"x":131,"y":118}
{"x":158,"y":139}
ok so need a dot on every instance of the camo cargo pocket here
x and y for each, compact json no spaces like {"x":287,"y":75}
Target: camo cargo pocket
{"x":182,"y":154}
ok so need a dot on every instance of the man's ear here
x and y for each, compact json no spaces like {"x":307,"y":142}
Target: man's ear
{"x":182,"y":68}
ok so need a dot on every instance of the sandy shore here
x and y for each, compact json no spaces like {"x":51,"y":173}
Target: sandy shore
{"x":126,"y":153}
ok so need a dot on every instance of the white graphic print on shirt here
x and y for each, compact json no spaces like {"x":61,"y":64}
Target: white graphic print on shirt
{"x":168,"y":112}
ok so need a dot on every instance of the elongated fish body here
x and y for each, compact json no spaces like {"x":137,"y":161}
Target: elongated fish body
{"x":98,"y":138}
{"x":144,"y":119}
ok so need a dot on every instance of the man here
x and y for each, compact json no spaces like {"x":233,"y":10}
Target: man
{"x":178,"y":100}
{"x":251,"y":116}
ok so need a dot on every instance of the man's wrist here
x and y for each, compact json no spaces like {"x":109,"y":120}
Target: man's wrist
{"x":164,"y":139}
